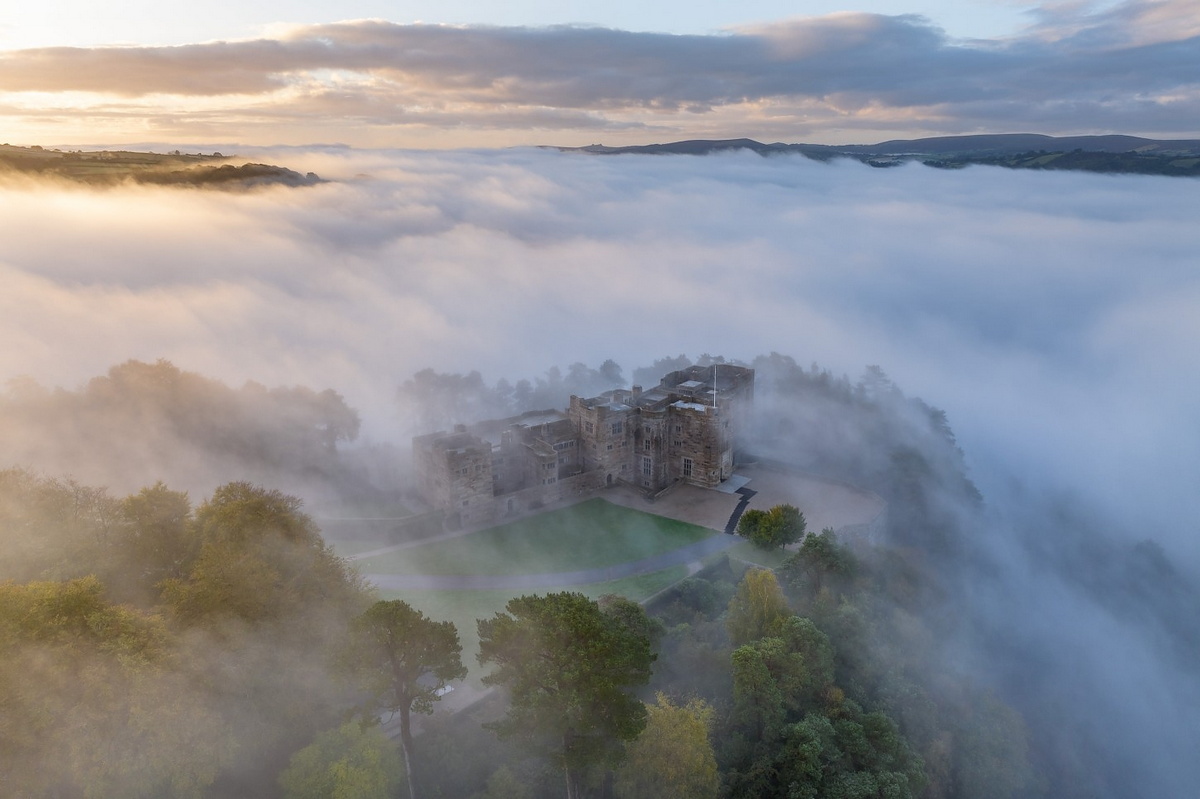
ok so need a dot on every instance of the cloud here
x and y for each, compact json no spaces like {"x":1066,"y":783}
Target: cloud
{"x":1046,"y":312}
{"x":1132,"y":68}
{"x":1050,"y":314}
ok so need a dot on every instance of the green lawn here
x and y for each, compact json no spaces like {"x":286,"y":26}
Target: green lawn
{"x":591,"y":534}
{"x":464,"y":607}
{"x":757,"y":556}
{"x":361,"y":525}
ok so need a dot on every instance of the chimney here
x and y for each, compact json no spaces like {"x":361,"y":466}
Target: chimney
{"x":637,"y":391}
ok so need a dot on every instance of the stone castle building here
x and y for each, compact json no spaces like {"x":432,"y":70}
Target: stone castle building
{"x":684,"y":430}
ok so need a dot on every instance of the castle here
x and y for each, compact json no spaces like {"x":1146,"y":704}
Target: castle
{"x":684,"y":430}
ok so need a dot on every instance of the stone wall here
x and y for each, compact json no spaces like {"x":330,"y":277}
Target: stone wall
{"x":518,"y":503}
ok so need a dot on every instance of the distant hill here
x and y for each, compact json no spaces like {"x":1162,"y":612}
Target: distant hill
{"x":1113,"y":153}
{"x":1014,"y":143}
{"x":110,"y":167}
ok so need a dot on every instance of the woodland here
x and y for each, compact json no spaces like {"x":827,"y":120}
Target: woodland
{"x":156,"y":645}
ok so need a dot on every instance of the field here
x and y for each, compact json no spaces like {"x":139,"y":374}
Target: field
{"x":591,"y":534}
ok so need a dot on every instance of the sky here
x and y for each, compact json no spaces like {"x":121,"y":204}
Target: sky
{"x":461,"y":74}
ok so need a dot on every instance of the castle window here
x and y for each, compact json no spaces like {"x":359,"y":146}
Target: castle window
{"x":618,"y":428}
{"x":648,"y":467}
{"x":687,"y":467}
{"x":677,"y":442}
{"x":678,"y":429}
{"x":589,"y":427}
{"x":610,"y":446}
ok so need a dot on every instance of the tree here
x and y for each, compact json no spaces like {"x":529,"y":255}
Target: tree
{"x":610,"y":371}
{"x":649,"y":375}
{"x":673,"y":757}
{"x":757,"y":609}
{"x":350,"y":762}
{"x":758,"y":704}
{"x":260,"y":559}
{"x":157,"y":543}
{"x":774,"y":528}
{"x":91,"y":707}
{"x":820,"y":563}
{"x":408,"y":659}
{"x":570,"y":669}
{"x":503,"y":784}
{"x":991,"y":759}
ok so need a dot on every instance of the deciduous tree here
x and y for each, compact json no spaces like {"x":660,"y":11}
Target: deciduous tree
{"x":774,"y":528}
{"x":673,"y":757}
{"x":91,"y":707}
{"x":260,"y":559}
{"x":757,"y":608}
{"x":350,"y":761}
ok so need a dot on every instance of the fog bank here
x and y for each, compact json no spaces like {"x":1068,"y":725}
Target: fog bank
{"x":1049,"y":314}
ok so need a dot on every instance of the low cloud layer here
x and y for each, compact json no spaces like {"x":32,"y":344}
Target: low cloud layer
{"x":849,"y":76}
{"x":1049,"y":314}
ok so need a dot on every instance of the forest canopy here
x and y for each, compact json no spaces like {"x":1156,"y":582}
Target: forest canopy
{"x":155,"y":644}
{"x":144,"y":422}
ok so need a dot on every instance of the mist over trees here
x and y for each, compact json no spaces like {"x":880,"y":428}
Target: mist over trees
{"x":947,"y":620}
{"x":145,"y":422}
{"x":134,"y":669}
{"x":437,"y":401}
{"x":151,"y":644}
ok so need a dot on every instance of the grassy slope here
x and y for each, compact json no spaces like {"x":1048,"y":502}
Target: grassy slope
{"x":592,"y":534}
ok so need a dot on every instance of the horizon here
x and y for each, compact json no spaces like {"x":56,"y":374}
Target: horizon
{"x":537,"y":76}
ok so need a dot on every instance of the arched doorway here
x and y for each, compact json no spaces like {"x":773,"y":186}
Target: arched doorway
{"x":608,"y":481}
